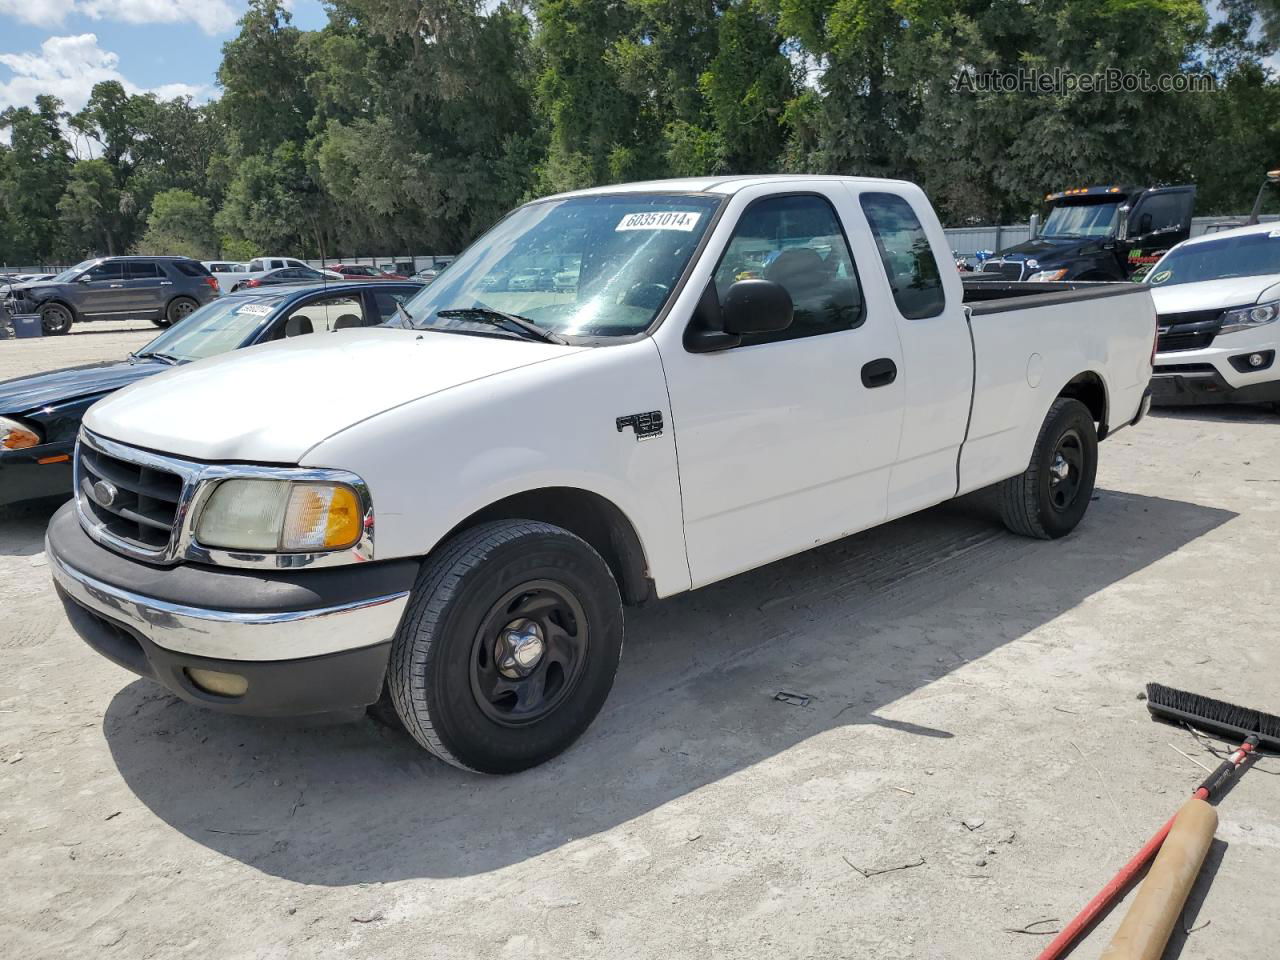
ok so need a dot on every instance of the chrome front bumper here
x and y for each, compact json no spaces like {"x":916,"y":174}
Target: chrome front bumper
{"x":232,"y":635}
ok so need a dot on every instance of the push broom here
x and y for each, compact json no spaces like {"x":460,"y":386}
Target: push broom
{"x":1179,"y":847}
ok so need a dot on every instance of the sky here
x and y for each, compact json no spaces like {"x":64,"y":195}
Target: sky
{"x":171,"y":47}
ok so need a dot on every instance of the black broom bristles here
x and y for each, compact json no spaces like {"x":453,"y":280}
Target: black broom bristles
{"x":1223,"y":719}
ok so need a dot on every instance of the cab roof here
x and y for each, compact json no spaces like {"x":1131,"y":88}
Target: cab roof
{"x":723,"y":185}
{"x":1272,"y":226}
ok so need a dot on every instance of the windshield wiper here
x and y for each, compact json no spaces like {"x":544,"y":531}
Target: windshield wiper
{"x":172,"y":361}
{"x":498,"y":318}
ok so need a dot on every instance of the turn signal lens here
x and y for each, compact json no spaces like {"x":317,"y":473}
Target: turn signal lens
{"x":17,"y":436}
{"x":321,"y":516}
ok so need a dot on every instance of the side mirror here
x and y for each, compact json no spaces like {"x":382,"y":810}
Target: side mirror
{"x":83,"y":278}
{"x":1144,"y":224}
{"x":756,"y":306}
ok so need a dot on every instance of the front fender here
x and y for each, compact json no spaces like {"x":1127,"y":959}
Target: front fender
{"x":432,"y":463}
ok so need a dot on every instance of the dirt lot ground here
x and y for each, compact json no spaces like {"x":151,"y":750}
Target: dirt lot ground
{"x":955,"y":673}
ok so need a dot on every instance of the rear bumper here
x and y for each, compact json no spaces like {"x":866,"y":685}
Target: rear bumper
{"x":305,"y":643}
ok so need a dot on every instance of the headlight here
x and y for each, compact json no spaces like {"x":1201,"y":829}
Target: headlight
{"x":269,"y":516}
{"x":1246,"y":318}
{"x":15,"y":435}
{"x":1049,"y":274}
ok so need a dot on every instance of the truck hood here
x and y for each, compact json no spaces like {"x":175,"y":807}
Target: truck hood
{"x":1049,"y":250}
{"x":1214,"y":294}
{"x":272,"y":403}
{"x":49,"y":389}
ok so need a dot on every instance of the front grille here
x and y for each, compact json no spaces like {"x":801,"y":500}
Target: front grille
{"x":1192,"y":330}
{"x":134,"y":503}
{"x":1007,"y":269}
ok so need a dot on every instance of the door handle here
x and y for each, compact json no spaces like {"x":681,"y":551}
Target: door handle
{"x":114,"y":286}
{"x":879,"y":373}
{"x":166,"y":283}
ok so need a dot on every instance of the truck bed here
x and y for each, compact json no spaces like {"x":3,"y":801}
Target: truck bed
{"x":997,"y":296}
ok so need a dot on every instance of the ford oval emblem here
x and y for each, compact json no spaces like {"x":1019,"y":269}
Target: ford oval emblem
{"x":104,"y":493}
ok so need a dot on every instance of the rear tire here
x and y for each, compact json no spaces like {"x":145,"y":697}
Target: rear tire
{"x":56,"y":319}
{"x":179,"y":309}
{"x":509,"y":646}
{"x":1050,"y":497}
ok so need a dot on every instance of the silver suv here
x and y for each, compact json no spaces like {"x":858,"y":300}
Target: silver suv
{"x":160,"y":289}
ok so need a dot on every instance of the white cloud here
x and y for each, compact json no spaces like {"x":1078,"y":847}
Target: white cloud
{"x":68,"y":67}
{"x":39,"y":13}
{"x":211,"y":16}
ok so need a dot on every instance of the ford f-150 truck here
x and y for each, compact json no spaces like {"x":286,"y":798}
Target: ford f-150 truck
{"x":446,"y":514}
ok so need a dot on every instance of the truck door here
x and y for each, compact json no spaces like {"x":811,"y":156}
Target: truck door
{"x":926,"y":305}
{"x":1159,"y":218}
{"x":787,"y":439}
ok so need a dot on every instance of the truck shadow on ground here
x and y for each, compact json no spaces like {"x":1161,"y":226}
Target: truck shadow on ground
{"x":694,"y":701}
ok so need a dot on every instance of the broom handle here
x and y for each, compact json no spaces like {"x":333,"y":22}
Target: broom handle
{"x":1121,"y":880}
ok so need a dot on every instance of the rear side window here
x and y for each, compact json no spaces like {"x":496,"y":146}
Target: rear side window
{"x":906,"y":255}
{"x":256,"y":265}
{"x":143,"y":270}
{"x":190,"y":268}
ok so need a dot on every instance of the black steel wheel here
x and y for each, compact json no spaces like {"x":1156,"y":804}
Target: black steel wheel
{"x":529,"y":652}
{"x":56,"y":319}
{"x":1050,"y":497}
{"x":509,"y":646}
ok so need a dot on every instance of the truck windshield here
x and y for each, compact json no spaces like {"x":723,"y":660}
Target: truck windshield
{"x":215,"y":328}
{"x":1245,"y":255}
{"x":595,"y":266}
{"x":1081,"y":220}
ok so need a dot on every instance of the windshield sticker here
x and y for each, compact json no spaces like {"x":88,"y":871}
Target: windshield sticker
{"x":1162,"y":276}
{"x":667,"y":220}
{"x":254,"y":309}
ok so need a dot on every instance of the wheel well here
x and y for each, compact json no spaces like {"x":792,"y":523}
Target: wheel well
{"x":588,"y":515}
{"x":1089,"y":389}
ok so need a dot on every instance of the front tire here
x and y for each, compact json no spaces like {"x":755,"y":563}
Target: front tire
{"x":509,"y":646}
{"x":56,"y":319}
{"x":1050,"y":497}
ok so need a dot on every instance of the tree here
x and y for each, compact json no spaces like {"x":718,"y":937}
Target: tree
{"x":33,"y":178}
{"x":92,"y":209}
{"x":180,"y":224}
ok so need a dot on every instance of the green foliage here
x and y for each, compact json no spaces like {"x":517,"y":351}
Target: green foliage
{"x":180,"y":223}
{"x":411,"y":125}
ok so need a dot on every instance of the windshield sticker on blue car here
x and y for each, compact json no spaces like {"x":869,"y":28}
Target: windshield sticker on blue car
{"x":659,"y":220}
{"x":254,"y":309}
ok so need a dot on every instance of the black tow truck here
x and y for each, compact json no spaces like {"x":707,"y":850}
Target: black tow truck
{"x":1098,"y":233}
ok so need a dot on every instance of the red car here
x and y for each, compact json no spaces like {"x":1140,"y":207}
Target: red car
{"x":359,"y":271}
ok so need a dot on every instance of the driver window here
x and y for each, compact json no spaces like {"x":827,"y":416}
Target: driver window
{"x":106,"y":271}
{"x":1162,"y":211}
{"x":324,"y":316}
{"x":796,"y":242}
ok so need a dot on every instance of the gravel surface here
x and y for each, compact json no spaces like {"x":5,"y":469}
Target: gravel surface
{"x":972,"y":719}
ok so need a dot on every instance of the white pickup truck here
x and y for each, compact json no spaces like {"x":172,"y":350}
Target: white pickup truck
{"x":450,"y":511}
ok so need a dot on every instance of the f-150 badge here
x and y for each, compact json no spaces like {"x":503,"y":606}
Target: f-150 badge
{"x":646,"y":425}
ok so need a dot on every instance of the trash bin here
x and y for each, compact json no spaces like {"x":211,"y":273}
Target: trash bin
{"x":27,"y":325}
